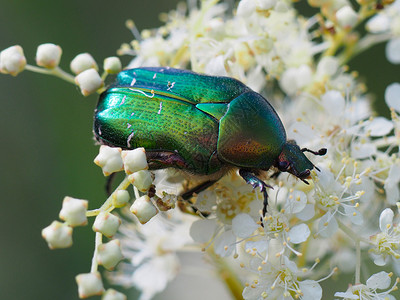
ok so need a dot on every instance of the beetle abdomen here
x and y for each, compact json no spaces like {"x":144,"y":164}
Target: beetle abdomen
{"x":131,"y":118}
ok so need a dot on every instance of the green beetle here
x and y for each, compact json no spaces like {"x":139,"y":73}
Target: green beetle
{"x":204,"y":125}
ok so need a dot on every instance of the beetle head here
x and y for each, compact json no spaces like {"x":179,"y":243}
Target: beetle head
{"x":293,"y":160}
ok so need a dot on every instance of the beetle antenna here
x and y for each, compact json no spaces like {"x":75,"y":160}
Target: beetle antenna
{"x":320,"y":152}
{"x":305,"y":181}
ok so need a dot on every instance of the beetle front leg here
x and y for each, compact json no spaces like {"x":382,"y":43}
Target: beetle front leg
{"x":252,"y":179}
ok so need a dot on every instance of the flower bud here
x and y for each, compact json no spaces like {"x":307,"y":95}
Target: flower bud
{"x":109,"y":160}
{"x":393,"y":51}
{"x":246,"y":8}
{"x":109,"y":254}
{"x":89,"y":284}
{"x":107,"y":224}
{"x":112,"y":294}
{"x":82,"y":62}
{"x":346,"y":17}
{"x":143,"y":209}
{"x":134,"y":160}
{"x":48,"y":55}
{"x":112,"y":65}
{"x":89,"y":81}
{"x":142,"y":180}
{"x":120,"y":198}
{"x":378,"y":24}
{"x":12,"y":60}
{"x":73,"y":211}
{"x":58,"y":235}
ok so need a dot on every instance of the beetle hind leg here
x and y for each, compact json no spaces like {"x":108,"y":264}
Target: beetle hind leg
{"x":256,"y":182}
{"x":165,"y":159}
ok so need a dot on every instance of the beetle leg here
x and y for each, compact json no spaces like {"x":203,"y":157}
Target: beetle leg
{"x":252,"y":179}
{"x":165,"y":159}
{"x":197,"y":189}
{"x":109,"y":182}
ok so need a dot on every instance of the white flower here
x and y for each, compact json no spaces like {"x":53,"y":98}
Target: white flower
{"x":82,"y":62}
{"x":392,"y":96}
{"x":142,"y":180}
{"x":58,"y":235}
{"x":112,"y":65}
{"x":143,"y":209}
{"x":106,"y":223}
{"x":120,"y":198}
{"x":89,"y":284}
{"x":280,"y":281}
{"x":294,"y":79}
{"x":387,"y":241}
{"x":112,"y":294}
{"x":89,"y":81}
{"x":378,"y":23}
{"x":48,"y":55}
{"x":346,"y":17}
{"x":134,"y":160}
{"x":12,"y":60}
{"x":109,"y":254}
{"x":393,"y":51}
{"x":109,"y":160}
{"x":151,"y":250}
{"x":377,"y":281}
{"x":73,"y":211}
{"x":391,"y":185}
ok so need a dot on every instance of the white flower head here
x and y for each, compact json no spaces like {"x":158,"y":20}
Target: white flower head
{"x":12,"y":60}
{"x":89,"y":81}
{"x":82,"y":62}
{"x":377,"y":281}
{"x":48,"y":55}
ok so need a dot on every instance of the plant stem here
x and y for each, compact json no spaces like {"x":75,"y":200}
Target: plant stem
{"x":97,"y":243}
{"x":108,"y":203}
{"x":227,"y":275}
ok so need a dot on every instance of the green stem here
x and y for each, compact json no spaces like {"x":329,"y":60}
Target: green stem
{"x":108,"y":203}
{"x":357,"y":240}
{"x":58,"y":72}
{"x":97,"y":243}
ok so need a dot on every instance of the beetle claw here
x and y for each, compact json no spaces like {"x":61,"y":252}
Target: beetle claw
{"x":255,"y":182}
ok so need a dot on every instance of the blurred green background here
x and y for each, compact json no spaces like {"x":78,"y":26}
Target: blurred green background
{"x":47,"y":147}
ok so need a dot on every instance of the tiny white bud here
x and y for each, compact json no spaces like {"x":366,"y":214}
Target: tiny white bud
{"x":12,"y":60}
{"x":48,"y":55}
{"x":120,"y":198}
{"x":109,"y":254}
{"x":107,"y":224}
{"x":89,"y":284}
{"x":134,"y":160}
{"x":246,"y":8}
{"x":89,"y":81}
{"x":142,"y":180}
{"x":346,"y":17}
{"x":143,"y":209}
{"x":82,"y":62}
{"x":58,"y":235}
{"x":392,"y":51}
{"x":378,"y":24}
{"x":73,"y":211}
{"x":112,"y":65}
{"x":112,"y":294}
{"x":109,"y":160}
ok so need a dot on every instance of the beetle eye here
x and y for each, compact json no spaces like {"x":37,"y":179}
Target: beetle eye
{"x":283,"y":165}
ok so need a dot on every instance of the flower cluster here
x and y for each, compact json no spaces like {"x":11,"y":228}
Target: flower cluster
{"x":309,"y":232}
